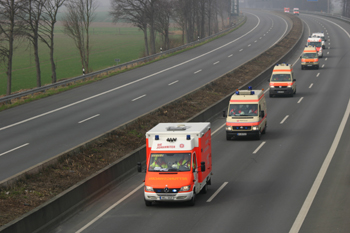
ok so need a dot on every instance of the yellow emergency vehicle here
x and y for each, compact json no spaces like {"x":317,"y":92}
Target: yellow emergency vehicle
{"x":246,"y":114}
{"x":282,"y":80}
{"x":309,"y":58}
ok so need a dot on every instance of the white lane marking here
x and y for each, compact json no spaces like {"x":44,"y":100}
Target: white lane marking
{"x":136,"y":81}
{"x":318,"y":75}
{"x":216,"y":62}
{"x":260,"y":38}
{"x":326,"y":59}
{"x":255,"y":41}
{"x":336,"y":25}
{"x":197,"y":71}
{"x":311,"y":85}
{"x":308,"y":27}
{"x":138,"y":97}
{"x":173,"y":83}
{"x":230,"y":55}
{"x":264,"y":34}
{"x":217,"y":191}
{"x":266,"y":90}
{"x":322,"y":65}
{"x":249,"y":45}
{"x":259,"y":147}
{"x":284,"y":119}
{"x":300,"y":100}
{"x":89,"y":118}
{"x":107,"y":210}
{"x":317,"y":183}
{"x":14,"y":149}
{"x":327,"y":52}
{"x":241,"y":50}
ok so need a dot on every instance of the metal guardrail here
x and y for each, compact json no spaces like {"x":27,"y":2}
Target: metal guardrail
{"x":337,"y":16}
{"x":9,"y":98}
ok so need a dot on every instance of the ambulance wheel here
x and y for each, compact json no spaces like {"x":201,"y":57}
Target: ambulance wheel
{"x":264,"y":131}
{"x":204,"y":189}
{"x":258,"y":136}
{"x":148,"y":203}
{"x":193,"y":200}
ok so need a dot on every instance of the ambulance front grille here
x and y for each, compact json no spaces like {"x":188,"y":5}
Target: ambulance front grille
{"x":241,"y":127}
{"x":168,"y":191}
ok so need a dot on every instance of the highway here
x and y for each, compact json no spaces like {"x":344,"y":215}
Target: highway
{"x":295,"y":179}
{"x":37,"y":131}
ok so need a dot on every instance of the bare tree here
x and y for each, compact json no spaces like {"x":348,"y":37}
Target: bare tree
{"x":162,"y":20}
{"x":77,"y":21}
{"x":10,"y":29}
{"x":32,"y":14}
{"x":134,"y":12}
{"x":47,"y":27}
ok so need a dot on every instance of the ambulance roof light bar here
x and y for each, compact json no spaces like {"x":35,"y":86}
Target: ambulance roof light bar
{"x":156,"y":137}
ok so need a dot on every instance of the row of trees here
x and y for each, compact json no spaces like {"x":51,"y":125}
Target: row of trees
{"x":346,"y":8}
{"x":196,"y":18}
{"x":34,"y":21}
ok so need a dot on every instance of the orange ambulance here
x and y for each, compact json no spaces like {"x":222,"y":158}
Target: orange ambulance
{"x":178,"y":162}
{"x":282,"y":80}
{"x":309,"y":58}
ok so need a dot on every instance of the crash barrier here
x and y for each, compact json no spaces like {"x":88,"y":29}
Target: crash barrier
{"x":9,"y":98}
{"x":336,"y":16}
{"x":51,"y":213}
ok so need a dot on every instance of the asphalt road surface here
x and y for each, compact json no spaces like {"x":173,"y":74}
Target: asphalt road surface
{"x":295,"y":179}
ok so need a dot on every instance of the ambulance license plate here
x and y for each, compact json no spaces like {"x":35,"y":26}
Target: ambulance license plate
{"x":280,"y":91}
{"x":241,"y":134}
{"x":166,"y":198}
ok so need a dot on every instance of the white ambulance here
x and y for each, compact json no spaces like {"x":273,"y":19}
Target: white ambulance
{"x":320,"y":35}
{"x":178,"y":162}
{"x":246,"y":114}
{"x":282,"y":80}
{"x":316,"y":42}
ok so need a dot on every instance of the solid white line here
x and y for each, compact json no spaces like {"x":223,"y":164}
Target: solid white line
{"x":136,"y":81}
{"x":259,"y":147}
{"x":266,"y":90}
{"x":284,"y":119}
{"x":318,"y":75}
{"x":173,"y":83}
{"x":107,"y":210}
{"x":216,"y":62}
{"x":230,"y":55}
{"x":217,"y":191}
{"x":88,"y":118}
{"x":311,"y":85}
{"x":300,"y":100}
{"x":14,"y":149}
{"x":197,"y":71}
{"x":241,"y":50}
{"x":138,"y":97}
{"x":317,"y":183}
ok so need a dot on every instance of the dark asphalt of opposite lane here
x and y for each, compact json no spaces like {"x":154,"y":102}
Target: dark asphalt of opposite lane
{"x":268,"y":180}
{"x":37,"y":131}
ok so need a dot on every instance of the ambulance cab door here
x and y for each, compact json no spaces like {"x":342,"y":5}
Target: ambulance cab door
{"x":195,"y":173}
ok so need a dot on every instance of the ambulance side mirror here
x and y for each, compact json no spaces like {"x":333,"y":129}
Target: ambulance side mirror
{"x":139,"y":167}
{"x":294,"y":80}
{"x":202,"y":166}
{"x":300,"y":56}
{"x":262,"y":113}
{"x":224,"y":114}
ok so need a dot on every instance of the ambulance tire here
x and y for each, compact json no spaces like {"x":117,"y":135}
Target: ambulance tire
{"x":264,"y":131}
{"x":258,"y":136}
{"x":204,"y":189}
{"x":148,"y":203}
{"x":193,"y":200}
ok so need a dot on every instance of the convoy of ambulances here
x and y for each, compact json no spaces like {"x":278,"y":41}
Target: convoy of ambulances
{"x":317,"y":42}
{"x":309,"y":58}
{"x":296,"y":11}
{"x":178,"y":160}
{"x":246,"y":114}
{"x":282,"y":80}
{"x":320,"y":35}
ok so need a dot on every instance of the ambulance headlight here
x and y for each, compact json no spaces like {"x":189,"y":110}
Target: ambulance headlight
{"x":229,"y":128}
{"x":149,"y":189}
{"x":289,"y":86}
{"x":185,"y":188}
{"x":255,"y":127}
{"x":272,"y":86}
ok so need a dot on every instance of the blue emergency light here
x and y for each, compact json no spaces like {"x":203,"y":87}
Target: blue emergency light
{"x":237,"y":92}
{"x":188,"y":137}
{"x":250,"y":88}
{"x":157,"y":137}
{"x":252,"y":92}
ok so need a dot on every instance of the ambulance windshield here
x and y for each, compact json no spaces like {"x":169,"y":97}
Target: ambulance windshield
{"x":170,"y":162}
{"x":310,"y":55}
{"x":316,"y":44}
{"x":281,"y":77}
{"x":243,"y":110}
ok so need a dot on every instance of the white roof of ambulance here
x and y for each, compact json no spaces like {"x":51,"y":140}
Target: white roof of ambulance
{"x":189,"y":128}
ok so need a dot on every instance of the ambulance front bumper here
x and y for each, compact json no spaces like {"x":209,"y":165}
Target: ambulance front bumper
{"x":281,"y":90}
{"x":168,"y":197}
{"x":241,"y":133}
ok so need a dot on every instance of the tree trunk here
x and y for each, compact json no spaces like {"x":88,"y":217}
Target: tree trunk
{"x":37,"y":62}
{"x":9,"y":66}
{"x":53,"y":66}
{"x":145,"y":37}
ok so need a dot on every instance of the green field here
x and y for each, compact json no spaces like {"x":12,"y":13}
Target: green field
{"x":108,"y":43}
